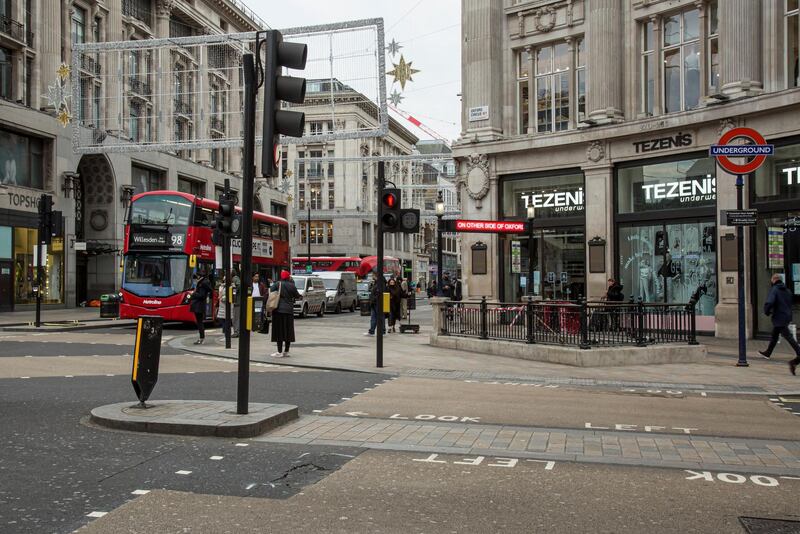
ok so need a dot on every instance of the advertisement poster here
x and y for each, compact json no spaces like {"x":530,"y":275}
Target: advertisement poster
{"x":775,"y":247}
{"x":516,"y":257}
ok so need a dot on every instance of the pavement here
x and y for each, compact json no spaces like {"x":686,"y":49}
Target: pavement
{"x":337,"y":342}
{"x":58,"y":320}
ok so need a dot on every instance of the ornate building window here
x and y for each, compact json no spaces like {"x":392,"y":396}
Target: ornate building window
{"x":523,"y":62}
{"x":712,"y":59}
{"x":681,"y":61}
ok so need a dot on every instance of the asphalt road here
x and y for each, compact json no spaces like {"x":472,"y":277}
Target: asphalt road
{"x":515,"y":404}
{"x":419,"y":493}
{"x":55,"y":468}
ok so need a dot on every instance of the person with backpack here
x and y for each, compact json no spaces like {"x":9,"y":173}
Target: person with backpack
{"x":281,"y":304}
{"x":779,"y":307}
{"x":375,"y":303}
{"x":197,"y":303}
{"x":396,"y":298}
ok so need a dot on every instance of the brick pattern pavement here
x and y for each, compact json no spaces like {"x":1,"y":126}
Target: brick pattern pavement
{"x":630,"y":448}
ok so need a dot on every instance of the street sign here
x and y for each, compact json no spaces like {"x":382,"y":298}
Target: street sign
{"x":759,"y":150}
{"x":491,"y":227}
{"x":308,"y":268}
{"x":741,"y":217}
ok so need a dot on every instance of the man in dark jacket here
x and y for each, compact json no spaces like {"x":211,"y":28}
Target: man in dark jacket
{"x":779,"y":307}
{"x":197,"y":304}
{"x":375,"y":304}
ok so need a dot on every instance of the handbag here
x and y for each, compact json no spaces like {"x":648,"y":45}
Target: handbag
{"x":274,"y":299}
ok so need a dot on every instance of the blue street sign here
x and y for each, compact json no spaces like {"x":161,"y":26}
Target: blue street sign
{"x":741,"y":150}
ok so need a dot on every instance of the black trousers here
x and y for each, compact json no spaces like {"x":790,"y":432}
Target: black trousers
{"x":783,"y":331}
{"x":200,"y":318}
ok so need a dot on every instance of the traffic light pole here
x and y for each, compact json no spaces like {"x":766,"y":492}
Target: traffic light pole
{"x":380,"y":280}
{"x":38,"y":322}
{"x":742,"y":362}
{"x":248,"y":178}
{"x":226,"y":274}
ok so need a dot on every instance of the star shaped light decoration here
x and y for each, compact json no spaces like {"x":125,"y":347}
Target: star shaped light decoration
{"x":402,"y":72}
{"x":393,"y":48}
{"x":64,"y":117}
{"x":63,"y":71}
{"x":395,"y":98}
{"x":58,"y":95}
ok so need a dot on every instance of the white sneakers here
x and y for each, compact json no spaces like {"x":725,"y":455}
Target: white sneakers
{"x":276,"y":355}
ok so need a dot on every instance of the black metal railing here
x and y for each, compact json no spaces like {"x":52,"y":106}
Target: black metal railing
{"x":90,"y":64}
{"x":182,"y":107}
{"x":581,"y":324}
{"x":12,"y":28}
{"x":140,"y":86}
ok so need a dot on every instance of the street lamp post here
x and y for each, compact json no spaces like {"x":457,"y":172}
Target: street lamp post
{"x":531,"y":216}
{"x":439,"y":214}
{"x":308,"y":239}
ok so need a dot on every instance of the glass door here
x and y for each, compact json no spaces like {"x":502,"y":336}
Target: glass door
{"x":777,"y":250}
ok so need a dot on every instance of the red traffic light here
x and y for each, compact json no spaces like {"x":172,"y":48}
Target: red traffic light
{"x":390,"y":200}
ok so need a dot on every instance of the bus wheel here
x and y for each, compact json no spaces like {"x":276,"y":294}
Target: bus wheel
{"x":338,"y":308}
{"x":304,"y":313}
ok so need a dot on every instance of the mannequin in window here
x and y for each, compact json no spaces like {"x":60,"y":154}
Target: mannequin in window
{"x":645,"y":274}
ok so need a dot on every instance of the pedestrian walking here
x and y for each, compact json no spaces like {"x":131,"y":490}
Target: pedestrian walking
{"x":236,"y":283}
{"x":613,"y":295}
{"x":396,"y":298}
{"x":197,"y":304}
{"x":779,"y":307}
{"x":375,"y":304}
{"x":432,"y":289}
{"x":283,"y":314}
{"x":447,"y":288}
{"x":404,"y":301}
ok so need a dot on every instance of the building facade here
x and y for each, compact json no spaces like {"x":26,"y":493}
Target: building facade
{"x":94,"y":191}
{"x":600,"y":114}
{"x":335,"y":193}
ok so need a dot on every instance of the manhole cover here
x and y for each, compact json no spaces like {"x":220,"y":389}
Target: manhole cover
{"x":762,"y":525}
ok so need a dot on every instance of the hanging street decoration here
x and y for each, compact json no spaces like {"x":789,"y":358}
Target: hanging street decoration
{"x":58,"y":95}
{"x":402,"y":72}
{"x":395,"y":98}
{"x":393,"y":48}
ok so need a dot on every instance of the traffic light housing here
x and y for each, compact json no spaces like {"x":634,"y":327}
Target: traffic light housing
{"x":45,"y":219}
{"x":390,"y":201}
{"x":278,"y":88}
{"x":227,"y":223}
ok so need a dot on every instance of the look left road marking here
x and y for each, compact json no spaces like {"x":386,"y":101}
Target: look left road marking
{"x":733,"y":478}
{"x":497,"y":461}
{"x":431,"y":417}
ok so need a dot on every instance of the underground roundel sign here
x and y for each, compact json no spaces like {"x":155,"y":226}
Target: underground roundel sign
{"x":758,"y":150}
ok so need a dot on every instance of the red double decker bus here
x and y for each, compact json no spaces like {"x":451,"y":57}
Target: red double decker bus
{"x":327,"y":263}
{"x":168,"y":239}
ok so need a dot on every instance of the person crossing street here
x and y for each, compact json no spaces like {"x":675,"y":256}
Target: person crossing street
{"x":779,"y":307}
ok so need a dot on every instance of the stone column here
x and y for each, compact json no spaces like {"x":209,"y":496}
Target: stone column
{"x":482,"y":78}
{"x":234,"y":122}
{"x":202,"y":110}
{"x":658,"y":94}
{"x":605,"y":60}
{"x":531,"y":89}
{"x":598,"y":200}
{"x":164,"y":105}
{"x":704,"y":66}
{"x":573,"y":95}
{"x":740,"y":48}
{"x":479,"y":200}
{"x":49,"y":45}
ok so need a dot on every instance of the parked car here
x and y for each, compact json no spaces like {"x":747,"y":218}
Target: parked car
{"x":340,"y":290}
{"x":312,"y":296}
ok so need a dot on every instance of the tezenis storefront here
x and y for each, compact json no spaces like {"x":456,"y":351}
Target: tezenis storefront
{"x":666,"y":231}
{"x":558,"y":253}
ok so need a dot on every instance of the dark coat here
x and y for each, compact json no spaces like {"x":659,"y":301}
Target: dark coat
{"x":396,"y":296}
{"x":289,"y":294}
{"x":197,"y":302}
{"x":779,"y":304}
{"x":614,"y":293}
{"x":456,"y":293}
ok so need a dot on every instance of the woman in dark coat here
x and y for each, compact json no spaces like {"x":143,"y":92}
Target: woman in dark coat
{"x":396,"y":296}
{"x":283,"y":315}
{"x":197,"y":304}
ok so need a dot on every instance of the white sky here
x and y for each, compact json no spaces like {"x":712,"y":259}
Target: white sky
{"x":429,"y":32}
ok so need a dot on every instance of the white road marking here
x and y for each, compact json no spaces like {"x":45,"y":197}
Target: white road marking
{"x":182,"y":472}
{"x":140,"y":492}
{"x":250,"y":486}
{"x":331,"y":404}
{"x":342,"y":455}
{"x":24,"y":377}
{"x":68,"y":376}
{"x":317,"y":411}
{"x":242,"y":444}
{"x":774,"y":400}
{"x":304,"y":454}
{"x":548,"y":464}
{"x":633,"y":428}
{"x":445,"y":418}
{"x":109,"y":375}
{"x":733,"y":478}
{"x":216,"y":457}
{"x":790,"y":478}
{"x":96,"y":514}
{"x":347,"y":398}
{"x":29,"y":356}
{"x":356,"y":414}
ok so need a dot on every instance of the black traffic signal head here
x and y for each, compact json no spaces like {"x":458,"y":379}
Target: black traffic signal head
{"x":279,"y":88}
{"x":227,"y":221}
{"x":45,"y":218}
{"x":390,"y":203}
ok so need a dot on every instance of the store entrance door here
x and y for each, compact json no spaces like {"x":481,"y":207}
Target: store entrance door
{"x":6,"y":285}
{"x":81,"y":274}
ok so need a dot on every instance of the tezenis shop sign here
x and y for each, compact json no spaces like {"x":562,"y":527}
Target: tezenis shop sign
{"x":662,"y":143}
{"x":689,"y":190}
{"x":560,"y":201}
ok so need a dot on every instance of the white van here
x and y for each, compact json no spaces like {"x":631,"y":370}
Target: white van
{"x":341,"y":292}
{"x":312,"y":296}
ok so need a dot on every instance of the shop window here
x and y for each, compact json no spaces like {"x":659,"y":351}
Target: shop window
{"x":331,"y":195}
{"x":5,"y":242}
{"x":320,"y":232}
{"x":21,"y":160}
{"x":315,"y":195}
{"x":688,"y":183}
{"x":551,"y":196}
{"x":792,"y":37}
{"x":25,"y":276}
{"x":193,"y":187}
{"x":144,"y":179}
{"x":278,"y":210}
{"x":777,"y":251}
{"x":779,"y":177}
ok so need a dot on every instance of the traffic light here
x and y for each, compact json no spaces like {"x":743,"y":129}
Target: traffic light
{"x":390,"y":220}
{"x":227,"y":223}
{"x":279,"y":88}
{"x":45,"y":219}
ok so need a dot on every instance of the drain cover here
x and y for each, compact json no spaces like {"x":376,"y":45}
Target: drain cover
{"x":762,"y":525}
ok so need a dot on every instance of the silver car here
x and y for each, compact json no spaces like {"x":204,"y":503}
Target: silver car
{"x":312,"y":296}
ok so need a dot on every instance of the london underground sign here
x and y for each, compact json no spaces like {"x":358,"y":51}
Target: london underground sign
{"x":759,"y":151}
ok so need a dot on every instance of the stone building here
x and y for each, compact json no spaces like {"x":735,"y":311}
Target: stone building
{"x":600,"y":114}
{"x":94,"y":191}
{"x":340,"y":196}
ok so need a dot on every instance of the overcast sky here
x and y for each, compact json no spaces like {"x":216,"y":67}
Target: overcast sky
{"x":429,"y":32}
